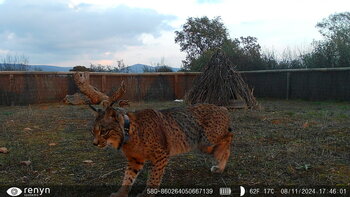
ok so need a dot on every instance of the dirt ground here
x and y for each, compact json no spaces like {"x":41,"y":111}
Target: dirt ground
{"x":284,"y":143}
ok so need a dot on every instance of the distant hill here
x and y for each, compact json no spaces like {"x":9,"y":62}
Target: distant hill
{"x":136,"y":68}
{"x":47,"y":68}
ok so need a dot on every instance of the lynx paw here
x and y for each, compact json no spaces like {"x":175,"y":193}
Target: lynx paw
{"x":216,"y":169}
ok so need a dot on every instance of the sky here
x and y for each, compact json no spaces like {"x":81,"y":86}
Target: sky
{"x":84,"y":32}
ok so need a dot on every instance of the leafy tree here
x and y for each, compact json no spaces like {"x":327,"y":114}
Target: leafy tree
{"x":197,"y":64}
{"x":244,"y":53}
{"x":335,"y":49}
{"x":163,"y":68}
{"x":335,"y":26}
{"x":200,"y":35}
{"x":332,"y":51}
{"x":248,"y":54}
{"x":322,"y":55}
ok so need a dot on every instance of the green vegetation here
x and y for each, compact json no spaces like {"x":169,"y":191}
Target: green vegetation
{"x":201,"y":36}
{"x":163,"y":68}
{"x":120,"y":67}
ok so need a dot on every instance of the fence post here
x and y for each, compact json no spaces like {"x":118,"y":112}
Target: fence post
{"x":87,"y":76}
{"x":176,"y":85}
{"x":288,"y":86}
{"x":11,"y":100}
{"x":103,"y":83}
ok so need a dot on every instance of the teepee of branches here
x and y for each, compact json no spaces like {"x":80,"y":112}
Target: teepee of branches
{"x":221,"y":84}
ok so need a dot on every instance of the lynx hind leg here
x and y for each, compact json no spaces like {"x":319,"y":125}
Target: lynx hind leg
{"x":221,"y":153}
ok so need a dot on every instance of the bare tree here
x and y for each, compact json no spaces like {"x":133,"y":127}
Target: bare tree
{"x":14,"y":63}
{"x":121,"y":67}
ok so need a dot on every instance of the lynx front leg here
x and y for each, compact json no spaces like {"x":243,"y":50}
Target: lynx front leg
{"x":156,"y":174}
{"x":132,"y":170}
{"x":221,"y":153}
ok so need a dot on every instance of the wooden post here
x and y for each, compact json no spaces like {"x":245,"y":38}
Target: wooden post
{"x":288,"y":86}
{"x":12,"y":90}
{"x":87,"y":76}
{"x":176,"y":86}
{"x":103,"y":83}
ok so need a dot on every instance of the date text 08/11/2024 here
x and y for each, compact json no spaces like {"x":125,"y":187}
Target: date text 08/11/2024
{"x":299,"y":191}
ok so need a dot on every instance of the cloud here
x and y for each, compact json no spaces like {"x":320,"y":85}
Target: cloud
{"x":209,"y":1}
{"x":57,"y":31}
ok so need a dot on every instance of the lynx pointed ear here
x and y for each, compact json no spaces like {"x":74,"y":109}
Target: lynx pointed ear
{"x":118,"y":94}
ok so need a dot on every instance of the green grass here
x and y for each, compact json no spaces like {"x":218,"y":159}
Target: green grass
{"x":285,"y":143}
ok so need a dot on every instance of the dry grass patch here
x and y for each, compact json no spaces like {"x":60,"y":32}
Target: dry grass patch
{"x":285,"y":143}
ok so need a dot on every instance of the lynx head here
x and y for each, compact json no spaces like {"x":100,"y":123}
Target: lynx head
{"x":108,"y":127}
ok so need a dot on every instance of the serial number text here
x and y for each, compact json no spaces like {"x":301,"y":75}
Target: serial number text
{"x":182,"y":191}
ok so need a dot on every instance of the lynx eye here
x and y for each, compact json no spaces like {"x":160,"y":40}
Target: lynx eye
{"x":96,"y":127}
{"x":104,"y":132}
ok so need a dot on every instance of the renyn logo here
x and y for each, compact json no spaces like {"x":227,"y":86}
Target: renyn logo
{"x":14,"y":191}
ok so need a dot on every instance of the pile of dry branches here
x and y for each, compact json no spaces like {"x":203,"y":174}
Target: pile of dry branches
{"x":220,"y":84}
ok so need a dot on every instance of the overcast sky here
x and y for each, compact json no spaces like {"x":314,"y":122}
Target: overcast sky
{"x":80,"y":32}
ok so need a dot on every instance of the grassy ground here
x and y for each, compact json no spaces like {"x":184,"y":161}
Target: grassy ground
{"x":285,"y":143}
